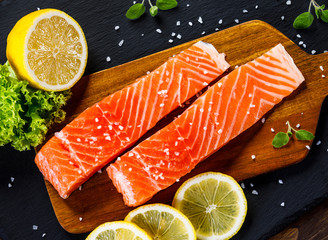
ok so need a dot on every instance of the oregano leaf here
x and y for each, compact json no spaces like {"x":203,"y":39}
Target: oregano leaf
{"x":166,"y":4}
{"x":135,"y":11}
{"x":280,"y":140}
{"x":304,"y":135}
{"x":153,"y":11}
{"x":324,"y":16}
{"x":304,"y":20}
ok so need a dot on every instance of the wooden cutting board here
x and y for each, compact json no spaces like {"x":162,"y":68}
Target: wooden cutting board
{"x":99,"y":202}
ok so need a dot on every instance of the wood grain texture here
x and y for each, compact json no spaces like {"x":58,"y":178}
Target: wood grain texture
{"x":99,"y":202}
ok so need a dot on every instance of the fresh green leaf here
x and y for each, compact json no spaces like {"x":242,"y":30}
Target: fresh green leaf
{"x":318,"y":10}
{"x":153,"y":11}
{"x":290,"y":134}
{"x":324,"y":16}
{"x":135,"y":11}
{"x":26,"y":113}
{"x":304,"y":135}
{"x":166,"y":4}
{"x":303,"y":20}
{"x":280,"y":140}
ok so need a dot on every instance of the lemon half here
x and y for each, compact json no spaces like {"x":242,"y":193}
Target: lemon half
{"x":48,"y":49}
{"x":214,"y":203}
{"x":162,"y":222}
{"x":118,"y":230}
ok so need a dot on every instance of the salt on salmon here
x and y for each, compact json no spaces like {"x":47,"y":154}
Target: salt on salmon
{"x":224,"y":111}
{"x":103,"y":131}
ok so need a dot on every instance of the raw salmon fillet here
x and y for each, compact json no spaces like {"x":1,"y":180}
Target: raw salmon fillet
{"x":103,"y":131}
{"x":225,"y":110}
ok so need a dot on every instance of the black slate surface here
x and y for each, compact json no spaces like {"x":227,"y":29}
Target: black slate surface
{"x":26,"y":202}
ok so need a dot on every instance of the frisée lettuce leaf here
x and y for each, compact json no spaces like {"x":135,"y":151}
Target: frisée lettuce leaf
{"x":27,"y":113}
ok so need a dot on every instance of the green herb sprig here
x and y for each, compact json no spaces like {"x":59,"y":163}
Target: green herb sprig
{"x":282,"y":138}
{"x":305,"y":20}
{"x":138,"y":9}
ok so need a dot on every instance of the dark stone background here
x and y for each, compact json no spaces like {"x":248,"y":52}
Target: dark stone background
{"x":27,"y":203}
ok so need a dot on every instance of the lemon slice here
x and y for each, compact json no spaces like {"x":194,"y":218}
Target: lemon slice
{"x":162,"y":222}
{"x":214,"y":203}
{"x":118,"y":230}
{"x":48,"y":49}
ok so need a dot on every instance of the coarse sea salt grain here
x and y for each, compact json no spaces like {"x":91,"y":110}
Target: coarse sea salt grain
{"x":237,"y":20}
{"x":298,"y":35}
{"x":256,"y":6}
{"x":178,"y":23}
{"x":117,"y":28}
{"x":282,"y":18}
{"x":190,"y":24}
{"x":245,"y":11}
{"x":313,"y":51}
{"x":272,"y":130}
{"x":9,"y":185}
{"x":253,"y":157}
{"x":200,"y":20}
{"x":282,"y":204}
{"x":300,"y":43}
{"x":99,"y":171}
{"x":220,"y":21}
{"x":179,"y":36}
{"x":158,"y":30}
{"x":280,"y":181}
{"x":263,"y":120}
{"x":318,"y":143}
{"x":170,"y":40}
{"x":304,"y":45}
{"x":321,"y":68}
{"x":173,"y":34}
{"x":308,"y":147}
{"x":80,"y":218}
{"x":80,"y":188}
{"x":188,"y":5}
{"x":242,"y":185}
{"x":121,"y":43}
{"x":203,"y":33}
{"x":12,"y":179}
{"x":35,"y":227}
{"x":323,"y":76}
{"x":254,"y":192}
{"x":251,"y":184}
{"x":43,"y":235}
{"x":298,"y":125}
{"x":288,"y":2}
{"x":38,"y":8}
{"x":131,"y":154}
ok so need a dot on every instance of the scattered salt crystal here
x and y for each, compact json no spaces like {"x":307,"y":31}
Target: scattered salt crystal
{"x":142,"y":34}
{"x":250,"y":95}
{"x":272,"y":130}
{"x":280,"y":181}
{"x":323,"y":76}
{"x":205,"y":72}
{"x":254,"y":192}
{"x":188,"y":5}
{"x":282,"y":18}
{"x":38,"y":8}
{"x":158,"y":30}
{"x":190,"y":24}
{"x":304,"y":45}
{"x":247,"y":112}
{"x":302,"y":113}
{"x":118,"y":158}
{"x":170,"y":40}
{"x":178,"y":180}
{"x":180,"y":138}
{"x":203,"y":33}
{"x":263,"y":120}
{"x":298,"y":35}
{"x":288,"y":2}
{"x":12,"y":179}
{"x":220,"y":21}
{"x":121,"y":127}
{"x":242,"y":185}
{"x":298,"y":125}
{"x":177,"y":153}
{"x":179,"y":36}
{"x":236,"y":66}
{"x":300,"y":43}
{"x":121,"y":43}
{"x":201,"y":110}
{"x":161,"y":105}
{"x":220,"y":131}
{"x":313,"y":51}
{"x":43,"y":235}
{"x":108,"y":59}
{"x":253,"y":157}
{"x":308,"y":147}
{"x":130,"y":169}
{"x":79,"y":171}
{"x":178,"y":23}
{"x":321,"y":68}
{"x":204,"y":128}
{"x":108,"y":138}
{"x":147,"y":72}
{"x":251,"y":184}
{"x":173,"y":34}
{"x":237,"y":20}
{"x":80,"y":188}
{"x":99,"y":127}
{"x":110,"y":127}
{"x":131,"y":154}
{"x":256,"y":6}
{"x":216,"y":29}
{"x":70,"y":162}
{"x":166,"y":150}
{"x":117,"y":28}
{"x":282,"y":204}
{"x":35,"y":227}
{"x":245,"y":11}
{"x":134,"y":2}
{"x":9,"y":185}
{"x":200,"y":20}
{"x":318,"y":143}
{"x":80,"y":218}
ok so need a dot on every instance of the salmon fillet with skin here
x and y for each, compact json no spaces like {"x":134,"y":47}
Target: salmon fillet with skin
{"x":103,"y":131}
{"x":224,"y":111}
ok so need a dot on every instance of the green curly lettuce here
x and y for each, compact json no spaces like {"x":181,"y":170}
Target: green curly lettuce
{"x":26,"y":113}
